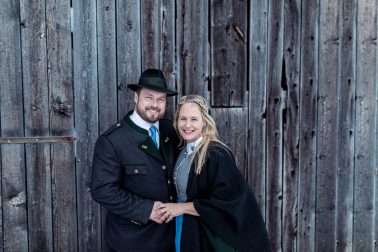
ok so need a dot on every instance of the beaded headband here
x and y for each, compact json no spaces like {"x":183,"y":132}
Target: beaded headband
{"x":199,"y":100}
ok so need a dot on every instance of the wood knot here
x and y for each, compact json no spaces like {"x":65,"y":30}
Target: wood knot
{"x":62,"y":107}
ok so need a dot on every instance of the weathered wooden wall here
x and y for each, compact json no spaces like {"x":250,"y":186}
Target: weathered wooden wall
{"x":292,"y":86}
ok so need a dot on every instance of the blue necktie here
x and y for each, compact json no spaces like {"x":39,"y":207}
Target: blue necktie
{"x":153,"y":130}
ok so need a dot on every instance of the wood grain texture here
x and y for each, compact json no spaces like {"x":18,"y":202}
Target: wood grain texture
{"x":61,"y":113}
{"x":308,"y":124}
{"x":129,"y":55}
{"x":346,"y":125}
{"x":107,"y":76}
{"x":168,"y":51}
{"x":229,"y":38}
{"x":366,"y":112}
{"x":290,"y":86}
{"x":329,"y":45}
{"x":14,"y":211}
{"x":150,"y":33}
{"x":229,"y":122}
{"x":107,"y":64}
{"x":86,"y":111}
{"x":36,"y":108}
{"x":274,"y":124}
{"x":256,"y":144}
{"x":193,"y":57}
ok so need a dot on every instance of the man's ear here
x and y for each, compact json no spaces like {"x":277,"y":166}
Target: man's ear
{"x":136,"y":97}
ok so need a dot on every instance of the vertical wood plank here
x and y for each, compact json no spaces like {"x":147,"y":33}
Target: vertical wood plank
{"x":59,"y":49}
{"x":107,"y":64}
{"x":327,"y":126}
{"x":35,"y":88}
{"x":1,"y":201}
{"x":1,"y":191}
{"x":365,"y":141}
{"x":13,"y":197}
{"x":256,"y":144}
{"x":128,"y":52}
{"x":158,"y":41}
{"x":107,"y":76}
{"x":275,"y":103}
{"x":308,"y":124}
{"x":291,"y":120}
{"x":151,"y":33}
{"x":86,"y":120}
{"x":375,"y":211}
{"x":346,"y":125}
{"x":231,"y":125}
{"x":228,"y":40}
{"x":192,"y":47}
{"x":168,"y":49}
{"x":375,"y":227}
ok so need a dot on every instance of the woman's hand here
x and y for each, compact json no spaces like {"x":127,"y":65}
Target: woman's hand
{"x":171,"y":210}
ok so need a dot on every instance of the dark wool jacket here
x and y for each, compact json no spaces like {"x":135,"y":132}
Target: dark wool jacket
{"x":129,"y":173}
{"x":230,"y":217}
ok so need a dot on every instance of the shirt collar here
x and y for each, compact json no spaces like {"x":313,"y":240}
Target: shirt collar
{"x":190,"y":147}
{"x":135,"y":117}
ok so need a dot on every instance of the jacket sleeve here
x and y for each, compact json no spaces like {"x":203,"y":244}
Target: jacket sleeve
{"x":106,"y":187}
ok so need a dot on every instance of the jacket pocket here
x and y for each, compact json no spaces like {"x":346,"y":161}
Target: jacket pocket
{"x":136,"y":169}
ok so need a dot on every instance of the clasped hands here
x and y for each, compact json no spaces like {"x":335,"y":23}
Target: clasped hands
{"x":165,"y":212}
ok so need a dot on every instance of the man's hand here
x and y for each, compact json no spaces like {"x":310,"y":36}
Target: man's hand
{"x":156,"y":214}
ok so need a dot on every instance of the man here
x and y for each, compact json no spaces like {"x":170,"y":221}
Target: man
{"x":131,"y":173}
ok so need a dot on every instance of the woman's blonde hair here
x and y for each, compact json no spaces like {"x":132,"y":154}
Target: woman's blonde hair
{"x":209,"y":131}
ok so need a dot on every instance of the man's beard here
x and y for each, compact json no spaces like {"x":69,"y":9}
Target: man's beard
{"x":150,"y":119}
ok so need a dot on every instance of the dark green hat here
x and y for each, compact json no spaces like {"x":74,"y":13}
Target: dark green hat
{"x":152,"y":79}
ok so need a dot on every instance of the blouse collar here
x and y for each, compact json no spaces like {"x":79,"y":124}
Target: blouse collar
{"x":190,"y":147}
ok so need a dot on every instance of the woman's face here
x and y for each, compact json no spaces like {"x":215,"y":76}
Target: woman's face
{"x":190,"y":122}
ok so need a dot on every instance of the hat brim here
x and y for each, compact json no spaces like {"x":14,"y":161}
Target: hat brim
{"x":136,"y":87}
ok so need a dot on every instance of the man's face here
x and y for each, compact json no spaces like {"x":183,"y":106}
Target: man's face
{"x":150,"y":104}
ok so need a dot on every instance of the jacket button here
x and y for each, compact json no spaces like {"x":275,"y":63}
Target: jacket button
{"x":169,"y":181}
{"x":118,"y":124}
{"x":170,"y":197}
{"x":163,"y":167}
{"x":136,"y":171}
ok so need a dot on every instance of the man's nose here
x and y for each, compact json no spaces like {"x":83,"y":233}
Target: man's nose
{"x":154,"y":102}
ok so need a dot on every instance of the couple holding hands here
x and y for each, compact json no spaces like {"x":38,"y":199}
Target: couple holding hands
{"x":172,"y":187}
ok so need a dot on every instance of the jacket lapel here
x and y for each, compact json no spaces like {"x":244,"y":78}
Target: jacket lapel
{"x":147,"y":146}
{"x":164,"y":147}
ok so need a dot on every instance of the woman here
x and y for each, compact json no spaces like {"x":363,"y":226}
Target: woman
{"x":216,"y":209}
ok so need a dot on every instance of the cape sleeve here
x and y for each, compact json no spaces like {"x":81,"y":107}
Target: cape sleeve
{"x":229,"y":208}
{"x":226,"y":192}
{"x":105,"y":185}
